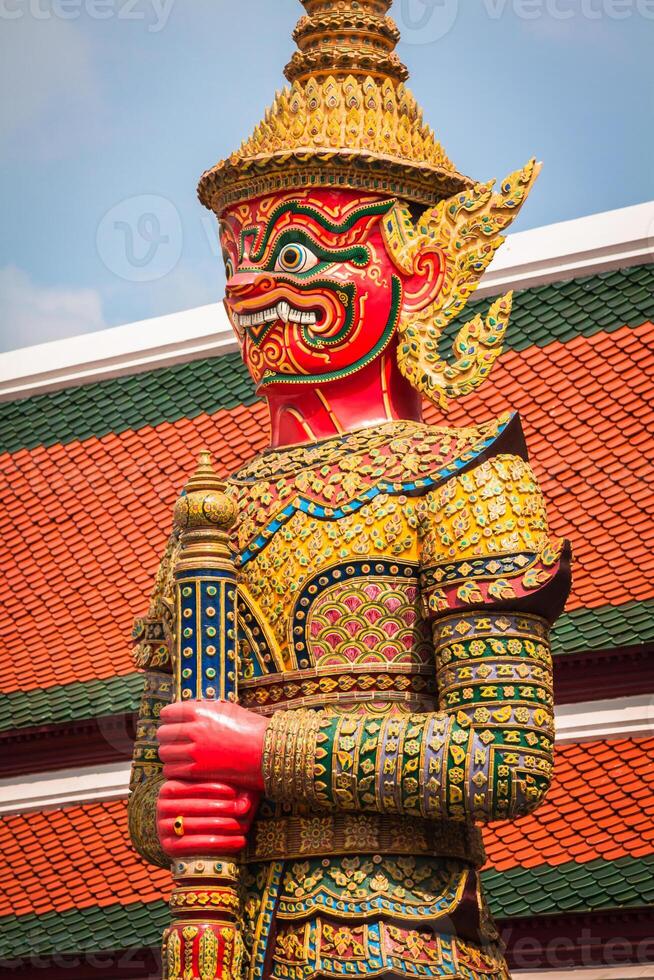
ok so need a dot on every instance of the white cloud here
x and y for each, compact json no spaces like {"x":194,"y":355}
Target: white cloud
{"x":32,"y":314}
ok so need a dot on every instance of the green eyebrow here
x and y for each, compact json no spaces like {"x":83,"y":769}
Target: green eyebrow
{"x":336,"y":228}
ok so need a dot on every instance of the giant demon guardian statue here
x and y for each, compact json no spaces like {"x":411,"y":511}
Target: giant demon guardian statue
{"x":354,"y":629}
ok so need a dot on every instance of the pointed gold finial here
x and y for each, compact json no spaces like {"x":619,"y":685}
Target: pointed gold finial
{"x":204,"y":502}
{"x":205,"y":477}
{"x":341,"y":38}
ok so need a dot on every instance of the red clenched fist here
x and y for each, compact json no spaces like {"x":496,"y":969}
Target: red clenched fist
{"x":212,"y":741}
{"x":203,"y":818}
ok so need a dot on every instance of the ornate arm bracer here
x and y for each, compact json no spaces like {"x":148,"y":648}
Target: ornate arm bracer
{"x":493,"y":757}
{"x":487,"y":755}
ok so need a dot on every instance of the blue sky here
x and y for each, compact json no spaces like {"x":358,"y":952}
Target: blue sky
{"x":112,"y":108}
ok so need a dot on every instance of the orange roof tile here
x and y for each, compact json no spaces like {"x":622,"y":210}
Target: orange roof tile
{"x":87,"y":520}
{"x":592,"y":810}
{"x":76,"y":857}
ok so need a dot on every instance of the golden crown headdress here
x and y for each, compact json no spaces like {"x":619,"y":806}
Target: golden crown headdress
{"x":347,"y":120}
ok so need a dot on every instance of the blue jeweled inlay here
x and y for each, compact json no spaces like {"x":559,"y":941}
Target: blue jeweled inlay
{"x":207,"y":646}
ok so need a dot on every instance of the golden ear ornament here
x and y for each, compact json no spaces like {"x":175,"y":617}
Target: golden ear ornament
{"x":467,"y":230}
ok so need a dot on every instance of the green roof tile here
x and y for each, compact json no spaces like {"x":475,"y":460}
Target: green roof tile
{"x":581,"y":307}
{"x":70,"y":702}
{"x":165,"y":395}
{"x":603,"y":628}
{"x":593,"y":886}
{"x":89,"y":930}
{"x":542,"y":315}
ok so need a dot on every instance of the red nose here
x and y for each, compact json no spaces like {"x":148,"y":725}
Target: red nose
{"x":243,"y":284}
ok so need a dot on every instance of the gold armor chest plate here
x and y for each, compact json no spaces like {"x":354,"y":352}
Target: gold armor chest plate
{"x":328,"y":540}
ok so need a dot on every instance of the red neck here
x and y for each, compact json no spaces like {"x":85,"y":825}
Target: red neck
{"x":377,"y":393}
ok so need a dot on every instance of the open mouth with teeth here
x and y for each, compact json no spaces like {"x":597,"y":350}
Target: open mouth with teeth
{"x":287,"y":332}
{"x":281,"y":311}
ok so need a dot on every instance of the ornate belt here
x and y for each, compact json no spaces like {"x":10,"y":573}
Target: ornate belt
{"x":410,"y":684}
{"x":333,"y":834}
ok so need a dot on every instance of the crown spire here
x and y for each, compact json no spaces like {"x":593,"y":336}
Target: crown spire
{"x":341,"y":38}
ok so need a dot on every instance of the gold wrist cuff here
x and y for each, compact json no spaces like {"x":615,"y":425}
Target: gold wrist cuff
{"x":289,"y":753}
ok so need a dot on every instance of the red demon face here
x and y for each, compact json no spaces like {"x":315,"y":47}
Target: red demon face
{"x":312,"y":293}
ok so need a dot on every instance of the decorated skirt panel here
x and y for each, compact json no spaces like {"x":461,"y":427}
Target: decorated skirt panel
{"x":325,"y":947}
{"x":368,"y":915}
{"x":278,"y":833}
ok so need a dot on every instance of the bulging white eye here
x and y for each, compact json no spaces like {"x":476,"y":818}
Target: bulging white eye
{"x":295,"y":258}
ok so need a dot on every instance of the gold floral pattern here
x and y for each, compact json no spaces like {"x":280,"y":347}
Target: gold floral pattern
{"x":495,"y":508}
